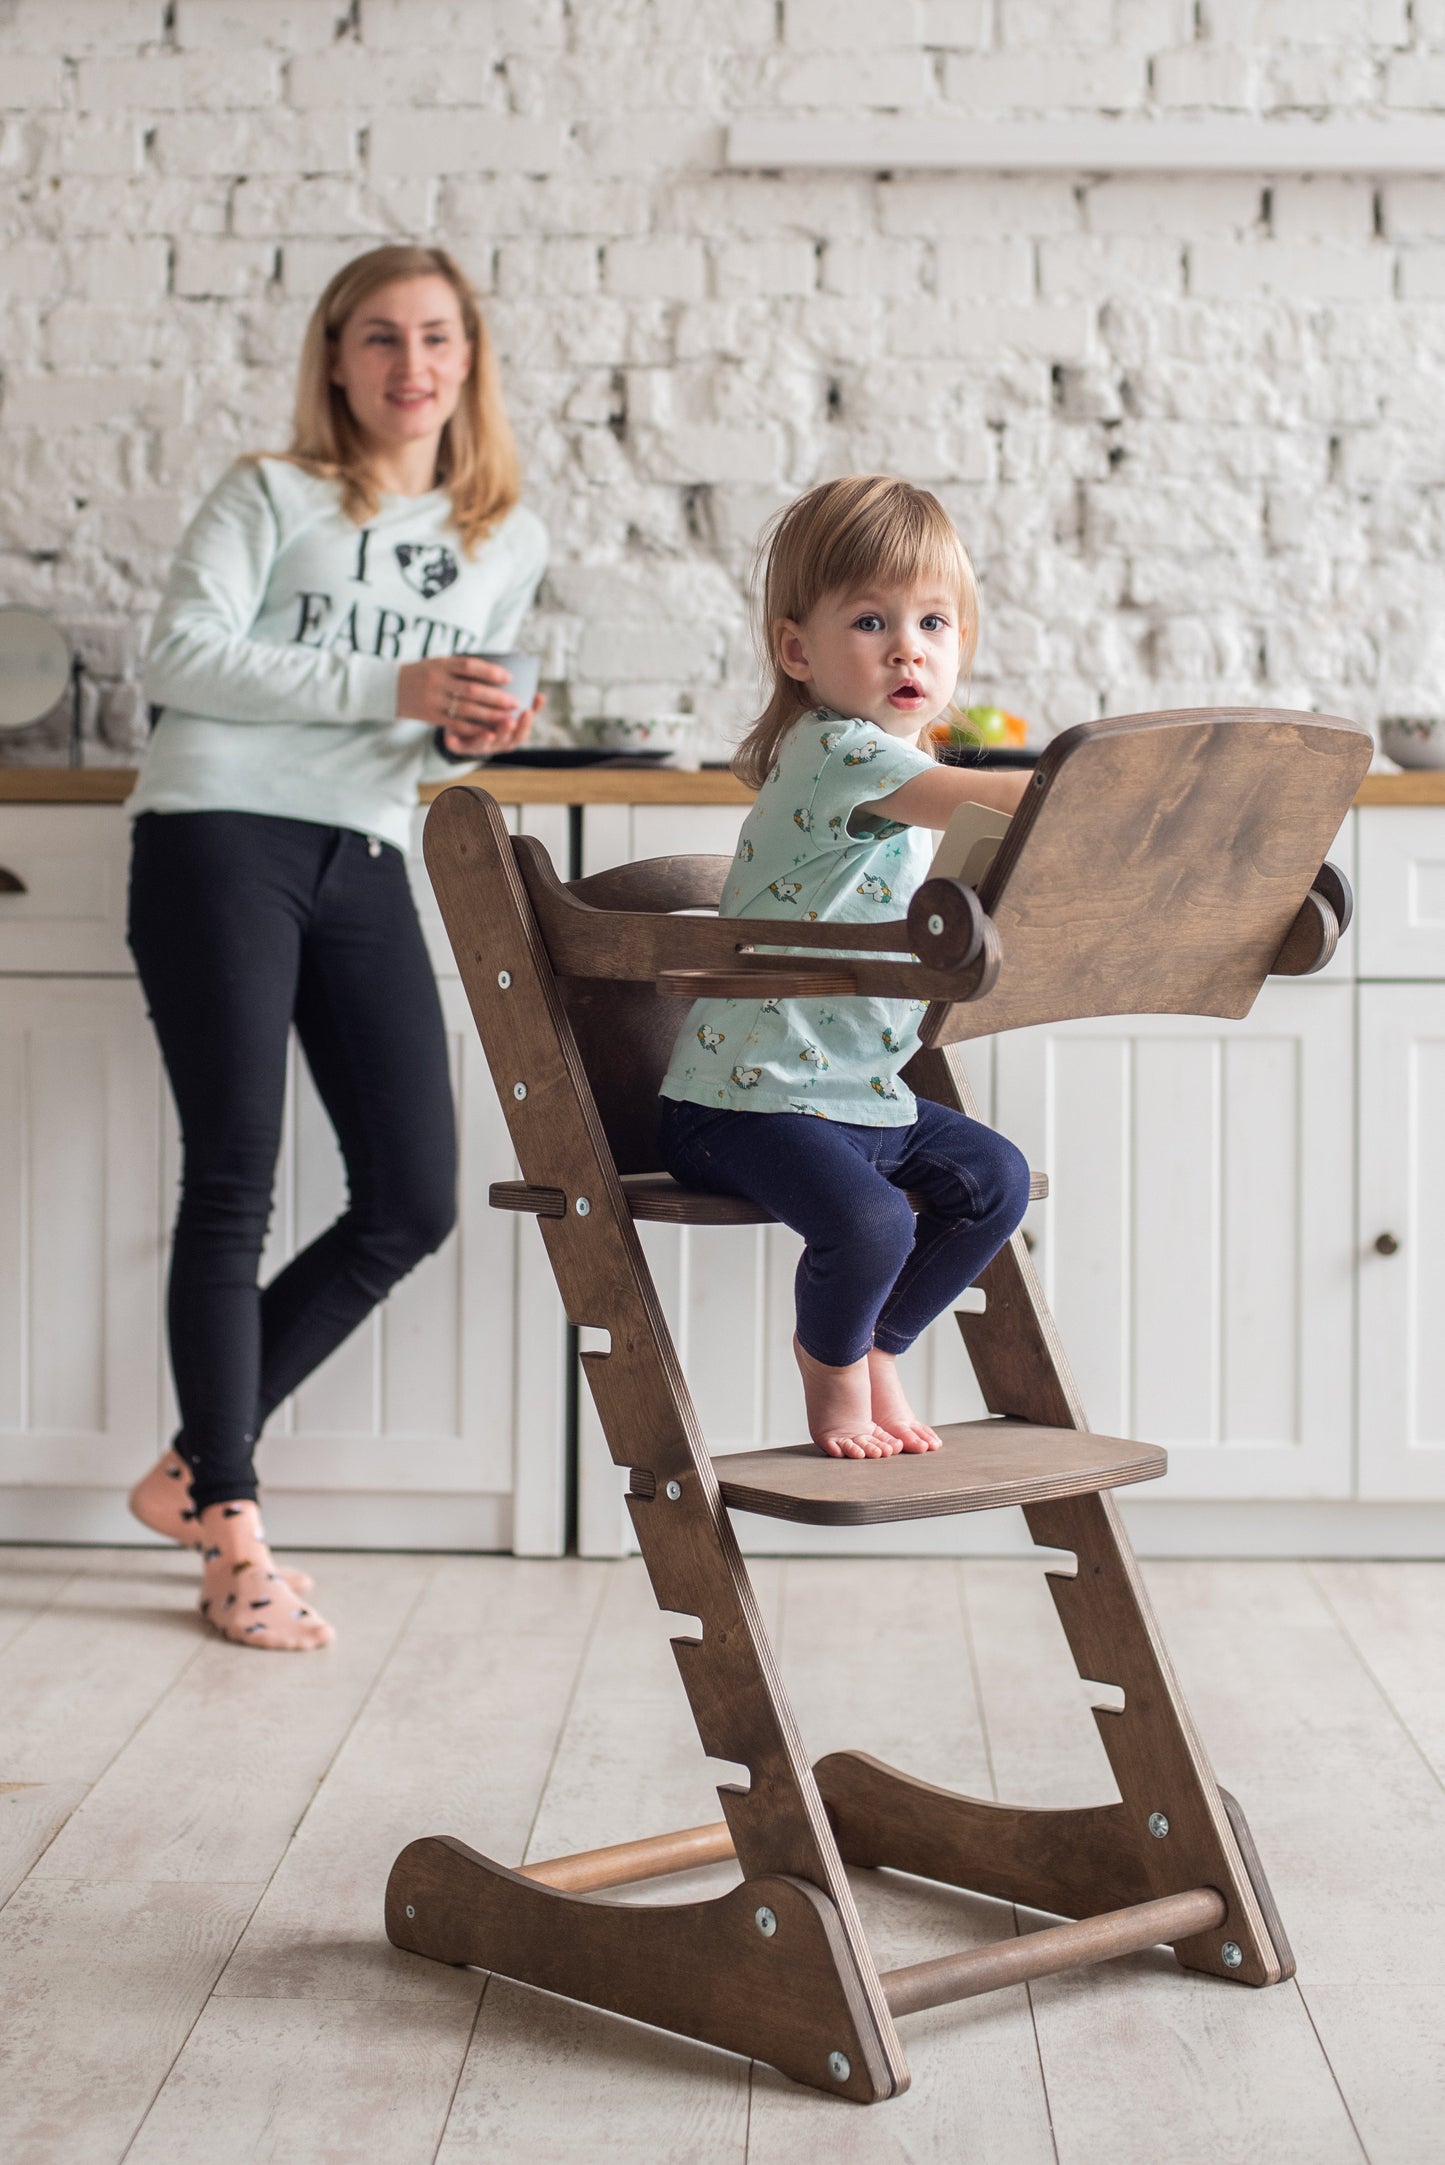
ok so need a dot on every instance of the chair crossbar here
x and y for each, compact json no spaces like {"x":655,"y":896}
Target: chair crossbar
{"x":658,"y":1199}
{"x":586,"y":1871}
{"x":1042,"y":1954}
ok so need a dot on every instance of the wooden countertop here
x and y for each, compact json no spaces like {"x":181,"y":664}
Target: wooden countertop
{"x":578,"y":785}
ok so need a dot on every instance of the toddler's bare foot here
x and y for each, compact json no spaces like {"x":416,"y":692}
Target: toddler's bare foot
{"x":890,"y":1408}
{"x":839,"y":1420}
{"x":243,"y":1594}
{"x":162,"y":1501}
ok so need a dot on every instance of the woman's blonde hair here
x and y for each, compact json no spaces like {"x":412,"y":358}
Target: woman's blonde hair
{"x":477,"y":456}
{"x":861,"y":530}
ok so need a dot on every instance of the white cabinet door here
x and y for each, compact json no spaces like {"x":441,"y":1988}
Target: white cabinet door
{"x":1402,"y":1202}
{"x":80,"y":1130}
{"x":1197,"y":1247}
{"x":1402,"y":891}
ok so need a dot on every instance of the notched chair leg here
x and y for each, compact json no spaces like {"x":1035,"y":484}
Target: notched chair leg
{"x":762,"y":1970}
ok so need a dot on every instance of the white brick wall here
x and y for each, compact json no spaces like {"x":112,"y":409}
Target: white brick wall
{"x":1190,"y":425}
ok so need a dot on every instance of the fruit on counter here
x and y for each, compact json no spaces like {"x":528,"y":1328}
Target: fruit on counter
{"x":986,"y":725}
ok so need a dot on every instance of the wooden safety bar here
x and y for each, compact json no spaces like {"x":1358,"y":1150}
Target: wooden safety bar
{"x":1062,"y":1947}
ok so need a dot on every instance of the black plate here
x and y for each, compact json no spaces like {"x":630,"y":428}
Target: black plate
{"x":575,"y":755}
{"x":987,"y":755}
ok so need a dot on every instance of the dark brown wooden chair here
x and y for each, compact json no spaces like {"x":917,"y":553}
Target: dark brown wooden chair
{"x":1161,"y":863}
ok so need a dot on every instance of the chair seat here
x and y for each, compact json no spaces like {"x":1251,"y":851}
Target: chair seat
{"x":658,"y":1198}
{"x":982,"y":1466}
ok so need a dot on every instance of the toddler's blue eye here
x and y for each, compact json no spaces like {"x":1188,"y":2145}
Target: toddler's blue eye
{"x":868,"y":622}
{"x":935,"y":623}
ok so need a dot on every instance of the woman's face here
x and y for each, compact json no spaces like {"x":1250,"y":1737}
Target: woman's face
{"x":401,"y":359}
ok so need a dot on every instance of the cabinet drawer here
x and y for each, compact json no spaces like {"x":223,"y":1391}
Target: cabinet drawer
{"x":70,"y":920}
{"x":1402,"y":891}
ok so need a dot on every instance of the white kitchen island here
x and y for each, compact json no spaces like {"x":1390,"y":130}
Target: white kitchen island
{"x":1295,"y":1371}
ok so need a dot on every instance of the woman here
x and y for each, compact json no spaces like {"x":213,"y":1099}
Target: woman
{"x":315,"y":651}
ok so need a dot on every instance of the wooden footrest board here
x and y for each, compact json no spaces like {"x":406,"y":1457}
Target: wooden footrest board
{"x":982,"y":1466}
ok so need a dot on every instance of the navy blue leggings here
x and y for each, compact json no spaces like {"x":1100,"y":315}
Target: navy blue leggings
{"x":870,"y":1275}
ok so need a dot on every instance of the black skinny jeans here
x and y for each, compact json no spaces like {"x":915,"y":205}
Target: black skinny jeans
{"x":242,"y":924}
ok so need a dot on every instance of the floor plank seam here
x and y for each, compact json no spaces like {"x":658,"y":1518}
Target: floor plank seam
{"x":1435,"y":1773}
{"x":557,"y":1740}
{"x":466,"y":2054}
{"x":1334,"y":2078}
{"x":43,"y":1610}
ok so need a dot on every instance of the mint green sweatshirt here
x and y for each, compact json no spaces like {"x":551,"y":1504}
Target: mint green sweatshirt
{"x":278,"y":643}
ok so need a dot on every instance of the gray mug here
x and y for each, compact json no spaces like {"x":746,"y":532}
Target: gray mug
{"x":524,"y":670}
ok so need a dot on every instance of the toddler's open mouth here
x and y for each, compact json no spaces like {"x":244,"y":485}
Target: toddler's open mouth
{"x":907,"y":694}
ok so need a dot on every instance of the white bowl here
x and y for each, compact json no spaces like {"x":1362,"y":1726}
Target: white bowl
{"x":1413,"y":743}
{"x":663,"y":733}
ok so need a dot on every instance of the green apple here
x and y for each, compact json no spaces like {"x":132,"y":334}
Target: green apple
{"x":990,"y":725}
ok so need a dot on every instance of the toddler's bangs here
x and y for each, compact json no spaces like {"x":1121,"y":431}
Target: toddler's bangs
{"x":896,"y":537}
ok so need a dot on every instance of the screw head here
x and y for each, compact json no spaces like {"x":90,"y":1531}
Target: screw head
{"x":673,"y":1491}
{"x":766,"y":1922}
{"x":409,"y":1910}
{"x":519,"y":1091}
{"x":583,"y":1207}
{"x":839,"y":2066}
{"x":1158,"y":1825}
{"x":1230,"y":1955}
{"x":935,"y":924}
{"x":504,"y":979}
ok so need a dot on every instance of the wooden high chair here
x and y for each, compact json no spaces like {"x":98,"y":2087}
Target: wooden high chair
{"x":1162,"y":863}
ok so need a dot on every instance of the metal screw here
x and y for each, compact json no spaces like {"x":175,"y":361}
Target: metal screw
{"x":504,"y":979}
{"x":935,"y":926}
{"x":766,"y":1922}
{"x":409,"y":1910}
{"x":519,"y":1091}
{"x":673,"y":1491}
{"x":1387,"y":1244}
{"x":1230,"y":1955}
{"x":1158,"y":1825}
{"x":839,"y":2066}
{"x":583,"y":1206}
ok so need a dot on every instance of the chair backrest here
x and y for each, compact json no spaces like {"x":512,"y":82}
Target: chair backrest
{"x":625,"y":1032}
{"x":1157,"y":864}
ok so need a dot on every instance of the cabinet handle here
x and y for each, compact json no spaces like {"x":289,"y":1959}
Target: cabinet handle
{"x":11,"y":882}
{"x":1386,"y":1244}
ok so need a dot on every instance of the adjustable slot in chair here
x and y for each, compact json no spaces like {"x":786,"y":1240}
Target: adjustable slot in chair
{"x":1160,"y":864}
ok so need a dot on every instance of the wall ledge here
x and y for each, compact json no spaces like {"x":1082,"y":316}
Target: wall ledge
{"x":1222,"y":143}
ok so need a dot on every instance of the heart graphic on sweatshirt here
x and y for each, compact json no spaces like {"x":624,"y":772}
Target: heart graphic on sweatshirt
{"x":427,"y":566}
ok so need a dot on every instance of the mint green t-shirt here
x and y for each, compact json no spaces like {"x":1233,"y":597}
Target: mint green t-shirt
{"x":799,"y":858}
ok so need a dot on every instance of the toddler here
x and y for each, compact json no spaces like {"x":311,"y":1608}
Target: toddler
{"x":869,"y":615}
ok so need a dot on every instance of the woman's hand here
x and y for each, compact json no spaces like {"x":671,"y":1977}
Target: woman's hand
{"x":466,"y":698}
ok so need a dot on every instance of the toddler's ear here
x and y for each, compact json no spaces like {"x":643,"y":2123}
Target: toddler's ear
{"x":791,"y":653}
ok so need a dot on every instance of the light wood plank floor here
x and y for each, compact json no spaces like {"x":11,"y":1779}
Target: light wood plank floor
{"x":194,"y":1841}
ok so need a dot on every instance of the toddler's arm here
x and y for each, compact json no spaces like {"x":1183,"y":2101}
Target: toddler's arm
{"x":930,"y":800}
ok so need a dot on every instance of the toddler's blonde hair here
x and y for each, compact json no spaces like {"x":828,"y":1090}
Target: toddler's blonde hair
{"x":861,"y":530}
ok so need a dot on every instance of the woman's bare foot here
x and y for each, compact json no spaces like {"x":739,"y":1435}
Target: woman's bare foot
{"x":162,"y":1501}
{"x":890,"y":1408}
{"x":243,"y":1594}
{"x":839,"y":1420}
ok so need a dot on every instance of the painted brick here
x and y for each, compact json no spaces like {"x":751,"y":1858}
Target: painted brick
{"x":482,"y":142}
{"x":666,"y":270}
{"x":1206,"y":75}
{"x":459,"y":25}
{"x":280,"y":207}
{"x":876,"y":268}
{"x":223,"y":269}
{"x":83,"y":26}
{"x":92,"y":147}
{"x":1085,"y":265}
{"x":118,"y":270}
{"x":1183,"y":205}
{"x":1323,"y":207}
{"x":1416,"y":80}
{"x":985,"y":271}
{"x":178,"y":82}
{"x":955,"y":23}
{"x":82,"y":401}
{"x":229,"y":26}
{"x":1310,"y":22}
{"x":1224,"y":270}
{"x":548,"y":267}
{"x":975,"y":203}
{"x":356,"y":75}
{"x":1050,"y":80}
{"x":31,"y":82}
{"x":1422,"y":274}
{"x":850,"y":82}
{"x":844,"y":25}
{"x":765,"y":268}
{"x":277,"y":142}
